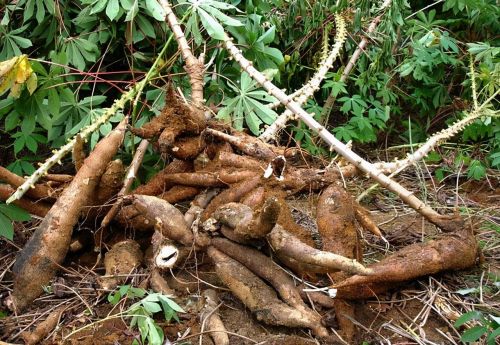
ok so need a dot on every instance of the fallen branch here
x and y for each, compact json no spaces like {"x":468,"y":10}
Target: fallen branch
{"x":194,"y":67}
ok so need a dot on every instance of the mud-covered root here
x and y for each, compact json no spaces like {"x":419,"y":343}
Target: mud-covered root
{"x":265,"y":268}
{"x":39,"y":209}
{"x":449,"y":252}
{"x":43,"y":328}
{"x":179,"y":193}
{"x":78,"y":152}
{"x":211,"y":320}
{"x":187,"y":148}
{"x":40,"y":258}
{"x":247,"y":223}
{"x":166,"y":218}
{"x":121,"y":261}
{"x":365,"y":220}
{"x":259,"y":297}
{"x":336,"y":224}
{"x":175,"y":119}
{"x":233,"y":194}
{"x":198,"y":205}
{"x":245,"y":143}
{"x":157,"y":184}
{"x":159,"y":284}
{"x":285,"y":243}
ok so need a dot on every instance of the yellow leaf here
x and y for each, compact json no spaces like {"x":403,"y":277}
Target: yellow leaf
{"x":14,"y":73}
{"x":15,"y":91}
{"x":31,"y":83}
{"x":6,"y":66}
{"x":23,"y":69}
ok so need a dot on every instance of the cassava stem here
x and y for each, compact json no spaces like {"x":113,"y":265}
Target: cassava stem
{"x":337,"y":145}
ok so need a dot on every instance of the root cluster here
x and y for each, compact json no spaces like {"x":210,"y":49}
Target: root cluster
{"x":238,"y":217}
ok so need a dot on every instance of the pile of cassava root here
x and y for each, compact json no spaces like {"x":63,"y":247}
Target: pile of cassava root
{"x":238,"y":216}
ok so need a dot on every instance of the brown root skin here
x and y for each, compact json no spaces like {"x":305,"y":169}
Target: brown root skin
{"x":43,"y":328}
{"x":111,"y":181}
{"x":335,"y":220}
{"x":336,"y":226}
{"x":175,"y":119}
{"x":37,"y":263}
{"x":131,"y":218}
{"x":39,"y":191}
{"x":123,"y":258}
{"x":186,"y":148}
{"x":255,"y":198}
{"x":78,"y":153}
{"x":159,"y":284}
{"x":245,"y":143}
{"x":265,"y":268}
{"x":285,"y":243}
{"x":247,"y":223}
{"x":202,"y":179}
{"x":229,"y":159}
{"x":167,"y":219}
{"x":210,"y":317}
{"x":232,"y":194}
{"x":316,"y":297}
{"x":365,"y":220}
{"x":108,"y":187}
{"x":158,"y":184}
{"x":259,"y":297}
{"x":452,"y":251}
{"x":198,"y":205}
{"x":39,"y":208}
{"x":179,"y":193}
{"x":299,"y":180}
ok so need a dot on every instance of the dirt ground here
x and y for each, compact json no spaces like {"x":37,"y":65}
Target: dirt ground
{"x":418,"y":312}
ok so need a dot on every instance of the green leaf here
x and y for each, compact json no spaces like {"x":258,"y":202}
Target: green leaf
{"x":132,"y":12}
{"x":268,"y":36}
{"x":151,"y":307}
{"x":493,"y":336}
{"x":214,"y":29}
{"x":476,"y":170}
{"x":6,"y":228}
{"x":98,"y":6}
{"x":471,"y":315}
{"x":473,"y":334}
{"x":171,"y":303}
{"x":156,"y":10}
{"x":14,"y":213}
{"x":112,"y":9}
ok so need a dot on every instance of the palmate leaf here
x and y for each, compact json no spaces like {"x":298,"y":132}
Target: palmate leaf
{"x":248,"y":105}
{"x":210,"y":16}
